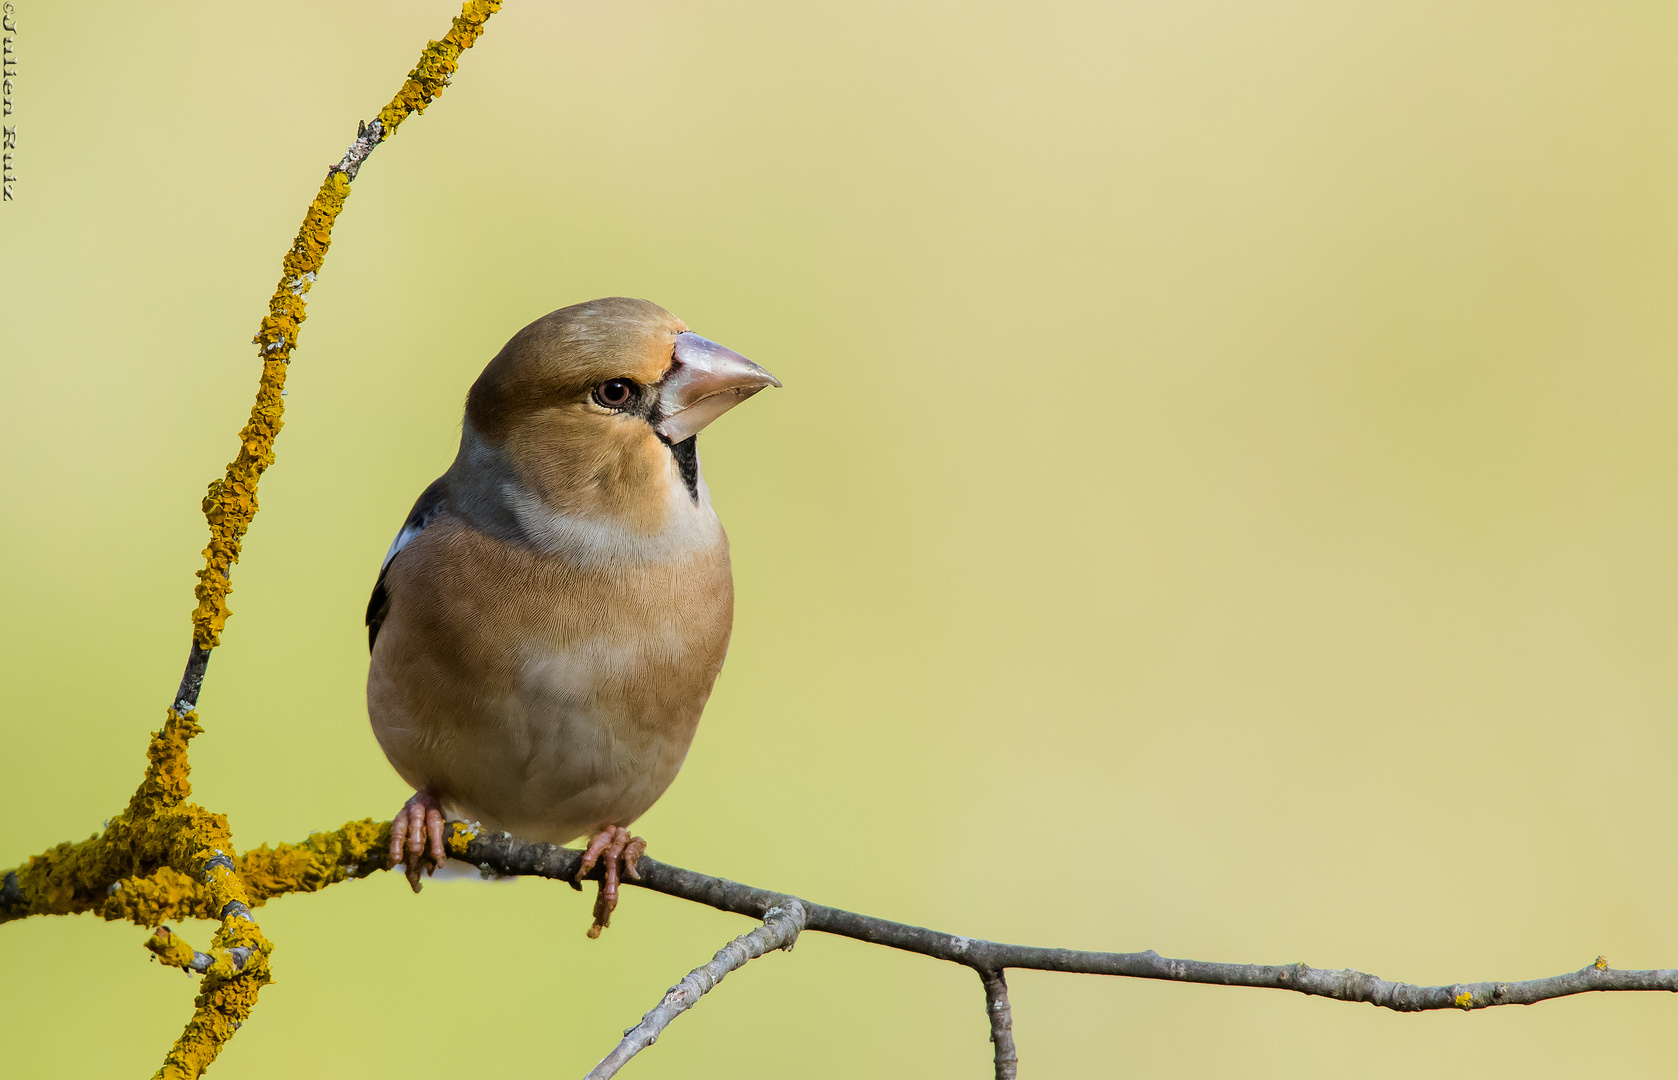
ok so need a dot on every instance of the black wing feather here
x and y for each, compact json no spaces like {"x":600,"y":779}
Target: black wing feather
{"x":378,"y":606}
{"x":425,"y":511}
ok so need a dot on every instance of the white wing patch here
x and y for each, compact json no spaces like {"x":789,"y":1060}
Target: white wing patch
{"x":425,"y":511}
{"x":410,"y":529}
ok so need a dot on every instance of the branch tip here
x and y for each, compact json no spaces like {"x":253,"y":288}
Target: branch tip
{"x":780,"y":929}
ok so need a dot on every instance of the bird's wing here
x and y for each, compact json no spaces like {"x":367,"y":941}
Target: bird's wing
{"x":425,"y":511}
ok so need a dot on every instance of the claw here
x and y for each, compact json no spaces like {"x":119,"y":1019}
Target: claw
{"x":617,"y":852}
{"x":416,"y":837}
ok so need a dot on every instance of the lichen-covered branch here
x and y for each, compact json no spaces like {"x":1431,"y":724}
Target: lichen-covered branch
{"x":231,"y":985}
{"x":779,"y":931}
{"x":154,"y":839}
{"x":230,"y":502}
{"x":437,"y":64}
{"x":177,"y":850}
{"x":67,"y":879}
{"x":173,"y":950}
{"x":162,"y":857}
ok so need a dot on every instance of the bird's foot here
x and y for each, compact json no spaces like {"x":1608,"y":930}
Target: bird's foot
{"x":416,"y":837}
{"x":617,"y":853}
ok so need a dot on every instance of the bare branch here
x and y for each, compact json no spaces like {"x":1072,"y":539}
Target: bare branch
{"x":779,"y":930}
{"x":502,"y":854}
{"x":192,"y":680}
{"x":367,"y":136}
{"x":1001,"y":1024}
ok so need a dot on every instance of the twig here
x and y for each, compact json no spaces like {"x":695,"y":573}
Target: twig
{"x":192,"y":679}
{"x":367,"y":136}
{"x":502,"y":854}
{"x":779,"y":930}
{"x":1001,"y":1024}
{"x":174,"y":951}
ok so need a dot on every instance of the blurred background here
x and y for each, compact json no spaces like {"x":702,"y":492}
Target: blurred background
{"x":1223,"y":501}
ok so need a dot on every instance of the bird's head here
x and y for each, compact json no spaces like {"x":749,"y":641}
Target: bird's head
{"x":594,"y":406}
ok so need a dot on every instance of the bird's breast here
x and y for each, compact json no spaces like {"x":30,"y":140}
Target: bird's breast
{"x":544,"y":693}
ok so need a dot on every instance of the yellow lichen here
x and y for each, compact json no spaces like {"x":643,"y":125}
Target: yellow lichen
{"x":230,"y":503}
{"x":220,"y":1010}
{"x":356,"y":850}
{"x":1464,"y":1000}
{"x":164,"y":858}
{"x":437,"y":64}
{"x":459,"y":835}
{"x":163,"y":896}
{"x":1601,"y":963}
{"x":152,"y":834}
{"x":170,"y":948}
{"x":141,"y":868}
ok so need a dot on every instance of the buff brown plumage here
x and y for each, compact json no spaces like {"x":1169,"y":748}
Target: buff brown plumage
{"x":548,"y":624}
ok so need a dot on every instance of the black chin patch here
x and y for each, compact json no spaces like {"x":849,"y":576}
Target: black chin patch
{"x":686,"y":453}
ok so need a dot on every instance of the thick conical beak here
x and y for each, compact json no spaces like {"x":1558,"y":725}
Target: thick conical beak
{"x":705,"y":381}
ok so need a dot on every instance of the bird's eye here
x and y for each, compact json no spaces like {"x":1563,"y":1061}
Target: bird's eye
{"x":615,"y":393}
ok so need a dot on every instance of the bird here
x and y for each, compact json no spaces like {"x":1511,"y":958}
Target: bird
{"x":547,"y":625}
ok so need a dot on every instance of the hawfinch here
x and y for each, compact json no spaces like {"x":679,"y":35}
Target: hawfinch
{"x":547,"y":625}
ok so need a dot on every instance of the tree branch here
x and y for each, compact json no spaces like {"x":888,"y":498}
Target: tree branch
{"x":165,"y":858}
{"x":1001,"y":1024}
{"x":367,"y":136}
{"x":502,"y":854}
{"x":779,"y":930}
{"x":172,"y":854}
{"x":99,"y":875}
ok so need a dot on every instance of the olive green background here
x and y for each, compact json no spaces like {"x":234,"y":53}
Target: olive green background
{"x":1223,"y":501}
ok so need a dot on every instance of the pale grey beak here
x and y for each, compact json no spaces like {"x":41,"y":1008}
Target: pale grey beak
{"x":705,"y":381}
